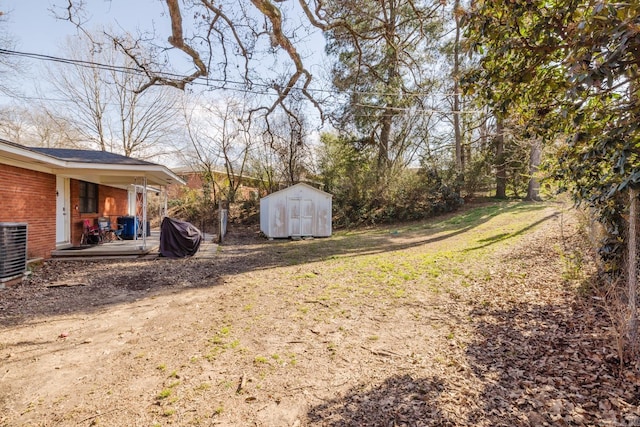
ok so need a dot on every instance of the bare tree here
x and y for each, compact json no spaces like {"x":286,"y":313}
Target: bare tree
{"x":103,"y":105}
{"x":14,"y":124}
{"x":10,"y":65}
{"x":220,"y":141}
{"x":287,"y":138}
{"x":263,"y":164}
{"x":36,"y":126}
{"x":228,"y":43}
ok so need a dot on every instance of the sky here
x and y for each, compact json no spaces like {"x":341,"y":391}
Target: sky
{"x":35,"y":29}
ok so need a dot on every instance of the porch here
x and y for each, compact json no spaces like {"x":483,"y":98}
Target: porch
{"x":114,"y":248}
{"x":130,"y":249}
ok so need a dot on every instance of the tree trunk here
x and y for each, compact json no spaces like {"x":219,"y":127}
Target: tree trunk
{"x":456,"y":94}
{"x":501,"y":167}
{"x":632,"y":272}
{"x":533,"y":191}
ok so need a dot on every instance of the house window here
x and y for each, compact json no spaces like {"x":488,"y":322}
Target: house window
{"x":88,"y":197}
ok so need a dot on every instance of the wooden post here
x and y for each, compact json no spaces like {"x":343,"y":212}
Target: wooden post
{"x":632,"y":272}
{"x":220,"y":222}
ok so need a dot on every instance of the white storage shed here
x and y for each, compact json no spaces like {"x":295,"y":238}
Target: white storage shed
{"x":297,"y":211}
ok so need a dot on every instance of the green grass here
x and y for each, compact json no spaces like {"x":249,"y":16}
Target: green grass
{"x":378,"y":263}
{"x":374,"y":267}
{"x":164,"y":394}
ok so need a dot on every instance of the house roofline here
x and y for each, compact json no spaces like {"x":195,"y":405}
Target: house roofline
{"x":111,"y":173}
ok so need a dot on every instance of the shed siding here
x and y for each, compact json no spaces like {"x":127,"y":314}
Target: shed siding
{"x":29,"y":196}
{"x":299,"y":210}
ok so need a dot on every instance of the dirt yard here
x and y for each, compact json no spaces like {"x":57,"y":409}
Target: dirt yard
{"x":475,"y":319}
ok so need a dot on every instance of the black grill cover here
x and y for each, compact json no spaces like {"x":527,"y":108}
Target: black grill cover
{"x":178,"y":239}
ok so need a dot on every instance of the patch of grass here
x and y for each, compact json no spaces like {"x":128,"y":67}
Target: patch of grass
{"x":260,"y":360}
{"x":162,"y":367}
{"x":292,"y":359}
{"x":203,"y":387}
{"x":572,"y":264}
{"x":164,"y":394}
{"x":221,"y":342}
{"x":169,"y":412}
{"x":400,"y":293}
{"x":332,"y":347}
{"x":226,"y":384}
{"x":308,"y":275}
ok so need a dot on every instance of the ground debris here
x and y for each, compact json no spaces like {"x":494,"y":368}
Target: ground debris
{"x":255,"y":336}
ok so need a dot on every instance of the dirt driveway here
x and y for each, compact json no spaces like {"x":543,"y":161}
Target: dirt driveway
{"x":472,"y":319}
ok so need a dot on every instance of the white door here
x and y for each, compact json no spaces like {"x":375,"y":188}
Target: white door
{"x":300,"y":216}
{"x":306,"y":217}
{"x":293,"y":205}
{"x":62,"y":210}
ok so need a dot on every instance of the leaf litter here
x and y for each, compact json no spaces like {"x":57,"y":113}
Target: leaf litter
{"x":281,"y":334}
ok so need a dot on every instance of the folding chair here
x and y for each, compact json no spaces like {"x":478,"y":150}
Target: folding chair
{"x":90,"y":233}
{"x":108,"y":233}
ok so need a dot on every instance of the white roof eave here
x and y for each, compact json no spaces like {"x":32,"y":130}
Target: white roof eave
{"x":109,"y":174}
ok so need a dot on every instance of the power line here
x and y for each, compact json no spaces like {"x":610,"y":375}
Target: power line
{"x":201,"y":81}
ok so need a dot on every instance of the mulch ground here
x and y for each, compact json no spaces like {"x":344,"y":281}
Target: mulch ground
{"x":275,"y":334}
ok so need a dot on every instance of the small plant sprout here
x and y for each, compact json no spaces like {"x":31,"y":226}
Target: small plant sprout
{"x":260,"y":360}
{"x":164,"y":394}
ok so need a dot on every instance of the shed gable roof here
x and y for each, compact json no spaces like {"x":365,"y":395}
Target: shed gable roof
{"x":299,"y":185}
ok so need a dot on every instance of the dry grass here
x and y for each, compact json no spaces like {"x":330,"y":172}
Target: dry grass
{"x":469,"y":319}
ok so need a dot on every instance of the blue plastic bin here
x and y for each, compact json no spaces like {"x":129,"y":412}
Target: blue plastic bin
{"x":128,"y":224}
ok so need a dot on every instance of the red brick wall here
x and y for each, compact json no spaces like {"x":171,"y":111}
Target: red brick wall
{"x":113,"y":202}
{"x":246,"y":191}
{"x":30,"y":196}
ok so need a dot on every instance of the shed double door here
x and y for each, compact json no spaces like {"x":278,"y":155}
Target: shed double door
{"x":300,"y":215}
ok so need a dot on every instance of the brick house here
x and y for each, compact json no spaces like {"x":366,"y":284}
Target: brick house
{"x":53,"y":190}
{"x":248,"y":189}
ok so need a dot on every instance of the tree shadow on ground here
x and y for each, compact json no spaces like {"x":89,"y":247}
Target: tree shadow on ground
{"x":96,"y":284}
{"x":399,"y":401}
{"x":278,"y":253}
{"x":536,"y":365}
{"x":549,"y":365}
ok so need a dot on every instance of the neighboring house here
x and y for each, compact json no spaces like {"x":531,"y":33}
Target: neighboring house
{"x":248,"y":189}
{"x":53,"y":190}
{"x":297,"y":211}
